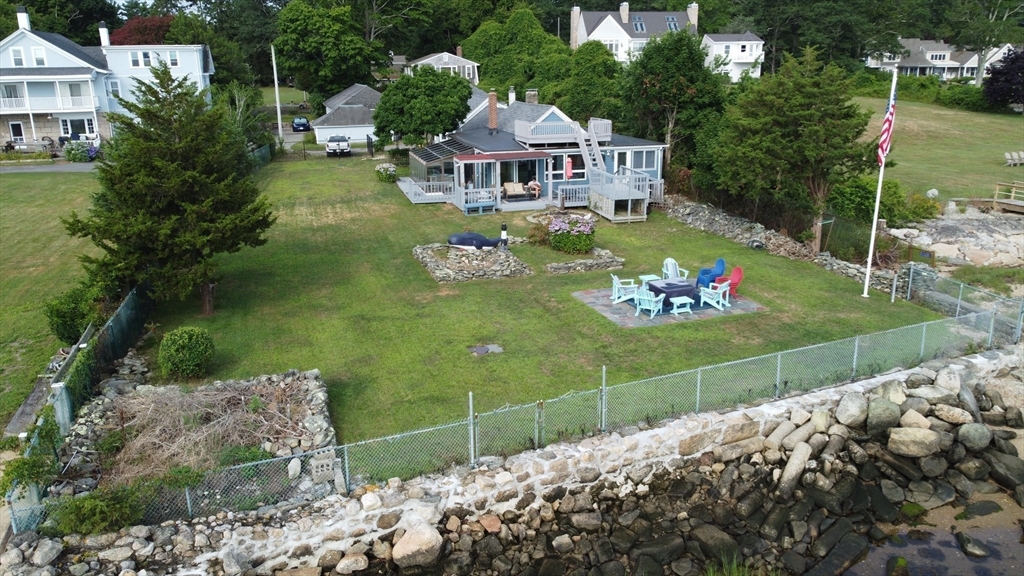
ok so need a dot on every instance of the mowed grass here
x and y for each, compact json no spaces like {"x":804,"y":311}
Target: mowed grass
{"x":336,"y":288}
{"x":289,"y":95}
{"x":38,"y":260}
{"x":958,"y":153}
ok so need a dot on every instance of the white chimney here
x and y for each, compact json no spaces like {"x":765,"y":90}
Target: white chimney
{"x":624,"y":12}
{"x":574,"y":25}
{"x":511,"y":94}
{"x":691,"y":15}
{"x":23,"y":23}
{"x":104,"y":34}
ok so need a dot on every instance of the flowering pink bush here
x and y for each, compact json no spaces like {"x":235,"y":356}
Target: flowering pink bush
{"x":572,"y":234}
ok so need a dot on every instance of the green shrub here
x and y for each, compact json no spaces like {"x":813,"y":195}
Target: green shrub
{"x":186,"y":352}
{"x":538,"y":234}
{"x":849,"y":241}
{"x":571,"y":234}
{"x":70,"y":313}
{"x":80,"y":377}
{"x":855,"y":200}
{"x":964,"y":97}
{"x":80,"y":152}
{"x":399,"y":156}
{"x":386,"y":172}
{"x":235,"y":455}
{"x":22,"y":156}
{"x":102,"y":510}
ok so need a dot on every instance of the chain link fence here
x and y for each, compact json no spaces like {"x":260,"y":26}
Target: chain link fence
{"x":513,"y":429}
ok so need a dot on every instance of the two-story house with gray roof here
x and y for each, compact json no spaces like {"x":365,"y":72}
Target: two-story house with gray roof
{"x":734,"y":54}
{"x":625,"y":33}
{"x":486,"y":164}
{"x":936,"y":58}
{"x":51,"y":87}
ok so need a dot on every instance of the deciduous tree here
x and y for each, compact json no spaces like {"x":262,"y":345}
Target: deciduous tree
{"x":176,"y":189}
{"x":794,"y":135}
{"x":422,"y":105}
{"x":142,"y":30}
{"x":980,"y":25}
{"x":228,"y":60}
{"x":590,"y":89}
{"x":1005,"y":82}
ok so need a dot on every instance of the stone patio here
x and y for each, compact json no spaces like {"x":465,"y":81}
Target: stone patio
{"x":623,"y":313}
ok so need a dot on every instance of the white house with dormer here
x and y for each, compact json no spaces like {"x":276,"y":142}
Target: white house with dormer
{"x":51,"y":87}
{"x":734,"y":54}
{"x":936,"y":58}
{"x":452,"y":63}
{"x":625,"y":33}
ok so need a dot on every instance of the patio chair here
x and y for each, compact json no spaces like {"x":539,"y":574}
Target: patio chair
{"x":707,"y":275}
{"x":716,"y":295}
{"x":1018,"y":158}
{"x":646,"y":300}
{"x":670,"y":270}
{"x":734,"y":278}
{"x":623,"y":290}
{"x":1011,"y":159}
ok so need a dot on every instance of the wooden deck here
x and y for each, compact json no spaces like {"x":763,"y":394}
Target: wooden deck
{"x":1009,"y":197}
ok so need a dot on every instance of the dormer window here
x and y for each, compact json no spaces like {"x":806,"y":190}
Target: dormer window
{"x":936,"y":56}
{"x":638,"y":24}
{"x":672,"y":23}
{"x":17,"y":57}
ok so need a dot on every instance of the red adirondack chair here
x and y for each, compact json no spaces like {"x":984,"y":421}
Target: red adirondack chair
{"x":734,"y":278}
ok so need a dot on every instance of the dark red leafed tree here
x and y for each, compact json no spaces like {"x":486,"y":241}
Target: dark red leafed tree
{"x":142,"y":30}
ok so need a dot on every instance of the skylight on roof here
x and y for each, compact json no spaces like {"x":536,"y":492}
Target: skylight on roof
{"x":670,"y":18}
{"x":638,"y":18}
{"x":639,"y":27}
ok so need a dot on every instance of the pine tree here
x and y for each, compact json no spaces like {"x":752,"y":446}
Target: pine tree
{"x":176,"y":189}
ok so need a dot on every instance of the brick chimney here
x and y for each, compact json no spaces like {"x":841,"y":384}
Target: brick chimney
{"x":23,"y":23}
{"x":574,"y":24}
{"x":511,"y":94}
{"x":691,"y":15}
{"x":492,"y":111}
{"x":531,"y":96}
{"x":624,"y":12}
{"x":104,"y":34}
{"x":458,"y":50}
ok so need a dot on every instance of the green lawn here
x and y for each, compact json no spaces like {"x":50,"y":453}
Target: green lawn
{"x":37,"y":261}
{"x":289,"y":95}
{"x":956,"y":152}
{"x":336,"y":288}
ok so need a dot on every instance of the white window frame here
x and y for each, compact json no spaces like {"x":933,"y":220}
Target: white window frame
{"x":113,"y":88}
{"x":673,"y":26}
{"x":38,"y":55}
{"x":7,"y":87}
{"x":645,"y":156}
{"x":10,"y":126}
{"x":727,"y":47}
{"x":17,"y":57}
{"x":65,"y":126}
{"x":612,"y":46}
{"x":637,"y":27}
{"x":141,"y":58}
{"x":172,"y":59}
{"x":638,"y":47}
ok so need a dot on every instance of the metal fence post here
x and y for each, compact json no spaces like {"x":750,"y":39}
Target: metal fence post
{"x":924,"y":333}
{"x":540,"y":405}
{"x":188,"y":501}
{"x":892,"y":293}
{"x":856,"y":351}
{"x":958,"y":298}
{"x":697,"y":409}
{"x":472,"y":446}
{"x":991,"y":327}
{"x":348,"y":477}
{"x":910,"y":280}
{"x":603,"y":399}
{"x":536,"y":424}
{"x":778,"y":374}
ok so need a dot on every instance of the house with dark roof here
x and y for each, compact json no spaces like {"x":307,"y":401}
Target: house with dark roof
{"x":625,"y":33}
{"x":51,"y":87}
{"x":936,"y":58}
{"x":486,"y":164}
{"x":734,"y":54}
{"x":349,"y":113}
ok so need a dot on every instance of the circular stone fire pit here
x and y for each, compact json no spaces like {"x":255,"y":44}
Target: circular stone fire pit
{"x":447,"y":264}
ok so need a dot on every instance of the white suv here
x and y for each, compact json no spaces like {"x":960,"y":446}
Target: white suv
{"x":338,"y":145}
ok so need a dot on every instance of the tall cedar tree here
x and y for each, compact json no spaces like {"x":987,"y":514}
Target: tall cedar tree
{"x":176,"y":189}
{"x":420,"y":106}
{"x":795,"y":135}
{"x":672,"y":94}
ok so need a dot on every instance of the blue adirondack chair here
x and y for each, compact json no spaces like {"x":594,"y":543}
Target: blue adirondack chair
{"x":645,"y":300}
{"x":623,"y":290}
{"x":708,"y":275}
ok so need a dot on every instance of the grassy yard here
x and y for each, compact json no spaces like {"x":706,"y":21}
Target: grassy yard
{"x":289,"y":95}
{"x":956,"y":152}
{"x":37,"y":261}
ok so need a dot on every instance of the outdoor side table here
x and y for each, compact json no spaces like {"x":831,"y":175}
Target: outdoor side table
{"x":644,"y":279}
{"x":681,"y":304}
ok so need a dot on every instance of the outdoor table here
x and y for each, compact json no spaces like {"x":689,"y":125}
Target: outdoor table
{"x":646,"y":279}
{"x":673,"y":288}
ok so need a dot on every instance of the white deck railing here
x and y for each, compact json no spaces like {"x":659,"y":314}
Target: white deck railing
{"x":48,"y":103}
{"x":573,"y":194}
{"x":426,"y":192}
{"x":464,"y":197}
{"x":600,"y":129}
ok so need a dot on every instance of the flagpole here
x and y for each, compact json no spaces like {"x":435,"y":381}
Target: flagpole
{"x":277,"y":96}
{"x":878,"y":200}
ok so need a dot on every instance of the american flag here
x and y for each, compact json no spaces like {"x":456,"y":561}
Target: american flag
{"x":885,"y":142}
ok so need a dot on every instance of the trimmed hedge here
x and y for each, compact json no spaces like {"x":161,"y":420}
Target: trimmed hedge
{"x":186,"y":352}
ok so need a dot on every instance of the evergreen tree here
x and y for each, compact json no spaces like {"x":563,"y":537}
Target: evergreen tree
{"x":176,"y":189}
{"x":793,"y":136}
{"x":1005,"y":82}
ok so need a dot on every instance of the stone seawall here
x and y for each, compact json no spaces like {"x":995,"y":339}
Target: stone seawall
{"x":800,"y":485}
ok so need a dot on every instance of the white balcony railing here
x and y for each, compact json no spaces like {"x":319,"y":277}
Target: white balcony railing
{"x":49,"y":103}
{"x":545,"y":132}
{"x":600,"y":129}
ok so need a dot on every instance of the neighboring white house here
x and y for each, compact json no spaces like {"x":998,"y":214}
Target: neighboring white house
{"x":453,"y":63}
{"x":936,"y":58}
{"x":52,"y":87}
{"x":349,"y":112}
{"x":626,"y":33}
{"x":737,"y":53}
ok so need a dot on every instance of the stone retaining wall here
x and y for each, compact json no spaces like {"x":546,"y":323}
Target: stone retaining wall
{"x":465,"y":265}
{"x":602,"y":260}
{"x":799,"y":484}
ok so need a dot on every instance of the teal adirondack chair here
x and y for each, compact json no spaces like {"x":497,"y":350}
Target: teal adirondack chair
{"x":716,"y":295}
{"x":645,"y":300}
{"x":623,"y":290}
{"x":670,"y":270}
